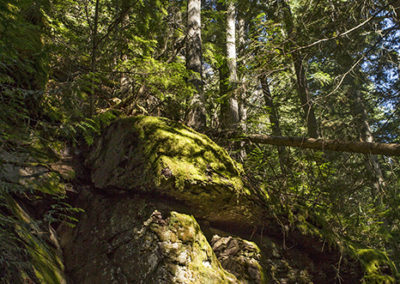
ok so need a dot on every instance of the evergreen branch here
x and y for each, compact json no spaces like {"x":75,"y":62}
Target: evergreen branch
{"x":346,"y":32}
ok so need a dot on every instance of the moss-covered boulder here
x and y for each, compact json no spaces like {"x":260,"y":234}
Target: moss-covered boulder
{"x":150,"y":180}
{"x":159,"y":156}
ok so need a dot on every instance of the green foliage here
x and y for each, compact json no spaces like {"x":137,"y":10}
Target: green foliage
{"x":25,"y":149}
{"x":324,"y":196}
{"x":23,"y":61}
{"x":62,"y":211}
{"x":87,"y":129}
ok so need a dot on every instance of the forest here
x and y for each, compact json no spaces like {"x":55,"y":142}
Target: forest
{"x":304,"y":96}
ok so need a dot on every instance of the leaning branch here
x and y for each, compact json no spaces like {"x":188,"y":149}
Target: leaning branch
{"x":326,"y":144}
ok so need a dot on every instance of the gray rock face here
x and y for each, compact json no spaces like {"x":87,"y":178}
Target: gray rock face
{"x":134,"y":240}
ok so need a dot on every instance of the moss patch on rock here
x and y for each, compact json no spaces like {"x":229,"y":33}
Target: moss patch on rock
{"x":187,"y":252}
{"x":152,"y":154}
{"x":378,"y":268}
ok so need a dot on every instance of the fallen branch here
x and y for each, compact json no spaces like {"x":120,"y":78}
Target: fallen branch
{"x":388,"y":149}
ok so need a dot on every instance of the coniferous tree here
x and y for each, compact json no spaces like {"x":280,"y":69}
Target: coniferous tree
{"x":197,"y":114}
{"x":229,"y":80}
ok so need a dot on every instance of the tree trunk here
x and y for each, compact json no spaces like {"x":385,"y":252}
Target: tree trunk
{"x":125,"y":81}
{"x":230,"y":107}
{"x":242,"y":81}
{"x":274,"y":119}
{"x":304,"y":95}
{"x":301,"y":79}
{"x":242,"y":94}
{"x":389,"y":149}
{"x":196,"y":117}
{"x":361,"y":113}
{"x":93,"y":58}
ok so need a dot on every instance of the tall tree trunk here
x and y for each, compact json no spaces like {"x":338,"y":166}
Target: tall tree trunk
{"x":125,"y":82}
{"x":93,"y":58}
{"x":242,"y":81}
{"x":196,"y":117}
{"x":230,"y":107}
{"x":242,"y":93}
{"x":359,"y":109}
{"x":301,"y":79}
{"x":274,"y":119}
{"x":304,"y":95}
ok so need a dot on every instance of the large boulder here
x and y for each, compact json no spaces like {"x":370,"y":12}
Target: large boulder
{"x":165,"y":158}
{"x":130,"y":239}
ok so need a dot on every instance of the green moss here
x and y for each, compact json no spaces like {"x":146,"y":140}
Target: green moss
{"x":191,"y":156}
{"x":45,"y":261}
{"x":376,"y":266}
{"x":150,"y":153}
{"x":193,"y":250}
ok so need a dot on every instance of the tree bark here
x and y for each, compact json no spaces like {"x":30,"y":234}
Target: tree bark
{"x":274,"y":119}
{"x":196,"y":117}
{"x":230,"y":107}
{"x":93,"y":58}
{"x":243,"y":77}
{"x":388,"y":149}
{"x":361,"y":113}
{"x":125,"y":82}
{"x":242,"y":81}
{"x":304,"y":95}
{"x":301,"y":79}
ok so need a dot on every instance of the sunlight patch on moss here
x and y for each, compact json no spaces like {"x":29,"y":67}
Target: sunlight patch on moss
{"x":376,"y":265}
{"x":46,"y":263}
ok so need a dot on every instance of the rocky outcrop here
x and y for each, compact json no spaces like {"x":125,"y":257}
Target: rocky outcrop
{"x":133,"y":239}
{"x":165,"y":204}
{"x":161,"y":157}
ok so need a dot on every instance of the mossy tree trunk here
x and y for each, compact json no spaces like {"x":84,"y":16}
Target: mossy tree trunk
{"x":389,"y":149}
